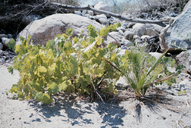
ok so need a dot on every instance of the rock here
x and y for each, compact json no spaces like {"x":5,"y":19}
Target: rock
{"x":184,"y":58}
{"x":179,"y":32}
{"x":78,"y":13}
{"x":125,"y":24}
{"x":9,"y":35}
{"x":183,"y":85}
{"x":121,"y":32}
{"x":1,"y":53}
{"x":145,"y":37}
{"x":121,"y":28}
{"x":45,"y":29}
{"x":155,"y":54}
{"x":90,"y":12}
{"x":5,"y":41}
{"x":2,"y":60}
{"x":121,"y":52}
{"x":102,"y":18}
{"x":147,"y":29}
{"x":172,"y":14}
{"x":114,"y":37}
{"x":1,"y":46}
{"x":131,"y":24}
{"x":167,"y":19}
{"x":102,"y":6}
{"x":126,"y":43}
{"x":30,"y":18}
{"x":113,"y":20}
{"x":140,"y":29}
{"x":2,"y":35}
{"x":129,"y":34}
{"x":84,"y":12}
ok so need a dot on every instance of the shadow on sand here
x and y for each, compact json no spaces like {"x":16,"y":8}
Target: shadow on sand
{"x":80,"y":112}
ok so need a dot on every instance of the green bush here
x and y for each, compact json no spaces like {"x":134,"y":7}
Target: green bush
{"x":66,"y":64}
{"x":142,"y":70}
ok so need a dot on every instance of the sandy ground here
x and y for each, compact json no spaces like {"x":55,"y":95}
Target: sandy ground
{"x":162,"y":108}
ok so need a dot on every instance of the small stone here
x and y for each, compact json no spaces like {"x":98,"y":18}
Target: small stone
{"x":9,"y":35}
{"x":90,"y":12}
{"x":1,"y":46}
{"x":78,"y":12}
{"x":2,"y":60}
{"x":1,"y":53}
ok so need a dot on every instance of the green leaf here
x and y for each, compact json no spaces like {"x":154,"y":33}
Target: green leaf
{"x":52,"y":87}
{"x":63,"y":86}
{"x":42,"y":69}
{"x":69,"y":31}
{"x":113,"y":56}
{"x":47,"y":99}
{"x":39,"y":96}
{"x":11,"y":44}
{"x":104,"y":31}
{"x":13,"y":89}
{"x":92,"y":31}
{"x":99,"y":41}
{"x":10,"y":69}
{"x":20,"y":94}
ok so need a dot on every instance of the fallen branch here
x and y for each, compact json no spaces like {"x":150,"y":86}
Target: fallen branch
{"x":158,"y":22}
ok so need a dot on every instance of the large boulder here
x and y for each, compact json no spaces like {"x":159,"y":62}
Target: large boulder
{"x":45,"y":29}
{"x":179,"y":33}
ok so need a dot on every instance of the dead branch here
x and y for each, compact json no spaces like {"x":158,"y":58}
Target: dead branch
{"x":158,"y":22}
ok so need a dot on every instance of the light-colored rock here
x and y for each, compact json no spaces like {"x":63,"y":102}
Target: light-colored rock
{"x":145,"y":37}
{"x":1,"y":53}
{"x":147,"y":29}
{"x":78,"y":13}
{"x":102,"y":6}
{"x":5,"y":41}
{"x":90,"y":12}
{"x":184,"y":58}
{"x":113,"y":20}
{"x":126,"y":43}
{"x":121,"y":28}
{"x":167,"y":19}
{"x":9,"y":35}
{"x":180,"y":31}
{"x":45,"y":29}
{"x":129,"y":34}
{"x":3,"y":35}
{"x":114,"y":37}
{"x":140,"y":29}
{"x":1,"y":47}
{"x":2,"y":60}
{"x":155,"y":54}
{"x":130,"y":25}
{"x":183,"y":84}
{"x":102,"y":18}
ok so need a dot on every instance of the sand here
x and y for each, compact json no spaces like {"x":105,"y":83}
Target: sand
{"x":163,"y":108}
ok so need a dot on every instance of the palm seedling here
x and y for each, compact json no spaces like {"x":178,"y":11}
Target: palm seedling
{"x":142,"y":70}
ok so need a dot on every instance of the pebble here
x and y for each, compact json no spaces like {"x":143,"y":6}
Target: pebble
{"x":2,"y":60}
{"x":1,"y":46}
{"x":1,"y":53}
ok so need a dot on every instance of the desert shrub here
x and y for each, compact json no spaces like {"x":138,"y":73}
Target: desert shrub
{"x":66,"y":64}
{"x":142,"y":70}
